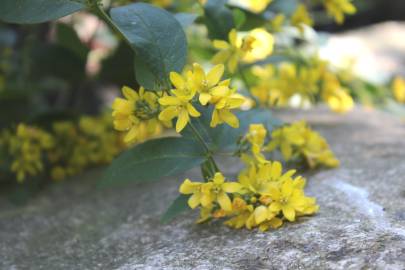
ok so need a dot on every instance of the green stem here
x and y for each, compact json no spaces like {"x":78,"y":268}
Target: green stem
{"x":97,"y":7}
{"x":208,"y":151}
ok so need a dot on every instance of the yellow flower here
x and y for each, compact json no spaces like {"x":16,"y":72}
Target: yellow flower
{"x":257,"y":45}
{"x":136,"y":114}
{"x":256,"y":6}
{"x":298,"y":139}
{"x":256,"y":136}
{"x":339,"y":101}
{"x":179,"y":103}
{"x":398,"y":89}
{"x":338,"y":9}
{"x":230,"y":53}
{"x":214,"y":190}
{"x":286,"y":138}
{"x":204,"y":84}
{"x":224,"y":100}
{"x":334,"y":95}
{"x":288,"y":199}
{"x":301,"y":17}
{"x":259,"y":178}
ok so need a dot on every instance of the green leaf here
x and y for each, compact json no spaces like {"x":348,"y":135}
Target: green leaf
{"x":37,"y":11}
{"x":218,"y":19}
{"x":111,"y":67}
{"x":67,"y":37}
{"x":153,"y":160}
{"x":185,"y":19}
{"x":239,"y":17}
{"x":69,"y":66}
{"x":158,"y":40}
{"x":178,"y":206}
{"x":223,"y":138}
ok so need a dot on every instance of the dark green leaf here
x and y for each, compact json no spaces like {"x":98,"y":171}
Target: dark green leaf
{"x":178,"y":206}
{"x":158,"y":40}
{"x":112,"y":67}
{"x":185,"y":19}
{"x":69,"y":66}
{"x":37,"y":11}
{"x":67,"y":37}
{"x":218,"y":19}
{"x":153,"y":160}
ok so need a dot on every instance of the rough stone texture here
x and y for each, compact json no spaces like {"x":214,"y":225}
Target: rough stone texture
{"x":361,"y":224}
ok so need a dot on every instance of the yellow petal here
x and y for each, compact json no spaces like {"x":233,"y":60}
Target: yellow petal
{"x":192,"y":111}
{"x":288,"y":212}
{"x":177,"y":80}
{"x":129,"y":93}
{"x":229,"y":118}
{"x":168,"y":114}
{"x":220,"y":44}
{"x":169,"y":100}
{"x":189,"y":187}
{"x":231,"y":187}
{"x":194,"y":200}
{"x":182,"y":120}
{"x":215,"y":119}
{"x":215,"y":75}
{"x":204,"y":98}
{"x":260,"y":214}
{"x":224,"y":201}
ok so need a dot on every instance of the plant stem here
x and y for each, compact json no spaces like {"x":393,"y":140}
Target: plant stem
{"x":97,"y":7}
{"x":208,"y":151}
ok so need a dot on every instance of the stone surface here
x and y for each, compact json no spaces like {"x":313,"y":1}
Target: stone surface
{"x":361,"y":223}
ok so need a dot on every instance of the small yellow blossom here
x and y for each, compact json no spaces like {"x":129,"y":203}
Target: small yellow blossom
{"x":255,"y":45}
{"x":214,"y":191}
{"x":398,"y":89}
{"x":205,"y":84}
{"x":179,"y":104}
{"x":137,"y":114}
{"x":224,"y":100}
{"x":288,"y":199}
{"x":301,"y":17}
{"x":338,"y":9}
{"x":27,"y":148}
{"x":297,"y":140}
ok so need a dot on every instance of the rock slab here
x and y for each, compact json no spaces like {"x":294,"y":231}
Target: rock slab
{"x":361,"y":223}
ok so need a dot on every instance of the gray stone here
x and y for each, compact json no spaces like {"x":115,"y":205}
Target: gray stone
{"x":361,"y":223}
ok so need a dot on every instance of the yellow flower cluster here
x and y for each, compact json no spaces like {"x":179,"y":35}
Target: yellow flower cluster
{"x":90,"y":142}
{"x":338,"y":9}
{"x":278,"y":85}
{"x":66,"y":149}
{"x":263,"y":197}
{"x":26,"y":147}
{"x":208,"y":89}
{"x":137,"y":114}
{"x":298,"y":140}
{"x":255,"y":45}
